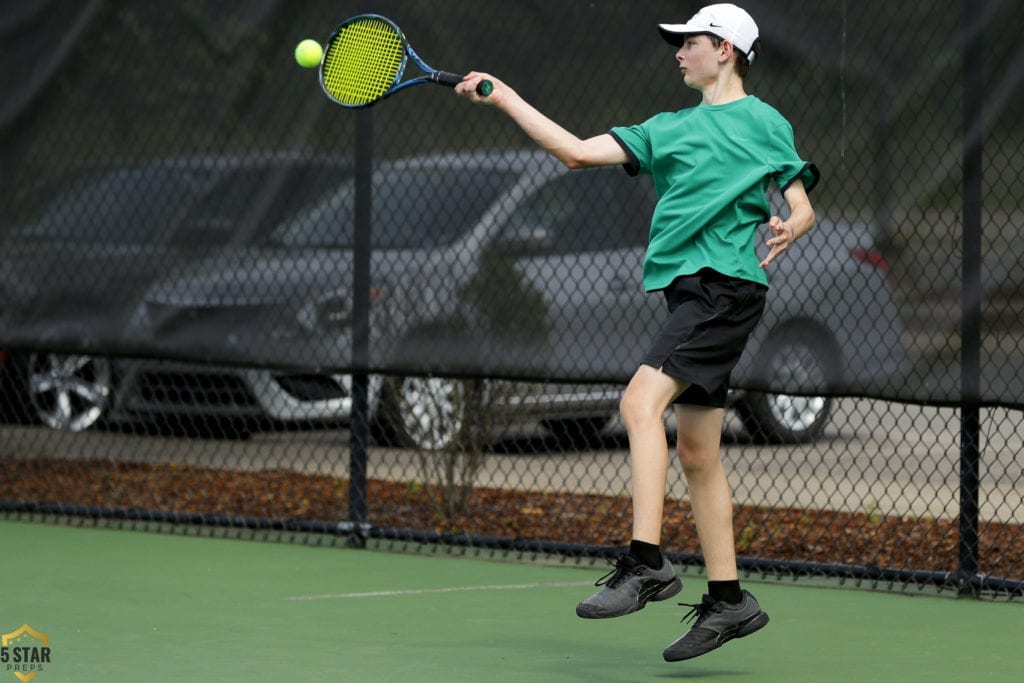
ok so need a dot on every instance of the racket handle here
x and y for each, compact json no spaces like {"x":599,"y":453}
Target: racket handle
{"x":483,"y":88}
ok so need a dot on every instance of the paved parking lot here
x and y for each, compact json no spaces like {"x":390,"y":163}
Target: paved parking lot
{"x":877,"y":457}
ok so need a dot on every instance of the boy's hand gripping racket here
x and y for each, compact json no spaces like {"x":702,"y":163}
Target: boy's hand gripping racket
{"x":365,"y":58}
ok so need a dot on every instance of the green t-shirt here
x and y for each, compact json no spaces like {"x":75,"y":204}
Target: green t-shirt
{"x":712,"y":165}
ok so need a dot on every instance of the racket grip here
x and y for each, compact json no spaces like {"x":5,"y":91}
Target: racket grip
{"x":483,"y":88}
{"x":446,"y":78}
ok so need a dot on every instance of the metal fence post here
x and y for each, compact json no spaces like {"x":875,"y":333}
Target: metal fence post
{"x":360,"y":430}
{"x":970,"y":362}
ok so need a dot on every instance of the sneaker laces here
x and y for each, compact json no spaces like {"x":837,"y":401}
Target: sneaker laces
{"x":620,"y":568}
{"x":700,"y":611}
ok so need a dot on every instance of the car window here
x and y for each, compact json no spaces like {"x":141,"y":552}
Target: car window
{"x":129,"y":207}
{"x":173,"y":204}
{"x":413,"y":208}
{"x":242,"y":202}
{"x":583,"y":211}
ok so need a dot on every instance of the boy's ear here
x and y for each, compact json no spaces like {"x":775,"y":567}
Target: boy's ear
{"x":727,"y":50}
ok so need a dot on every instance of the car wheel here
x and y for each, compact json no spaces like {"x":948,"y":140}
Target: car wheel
{"x":69,"y":392}
{"x":794,"y":357}
{"x":427,"y":413}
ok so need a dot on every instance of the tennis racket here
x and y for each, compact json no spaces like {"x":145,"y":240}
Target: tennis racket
{"x":365,"y":59}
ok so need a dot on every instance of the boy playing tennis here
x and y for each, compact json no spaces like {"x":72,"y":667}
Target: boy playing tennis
{"x":711,"y":166}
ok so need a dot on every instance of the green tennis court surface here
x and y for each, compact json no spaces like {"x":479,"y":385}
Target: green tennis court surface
{"x":129,"y":606}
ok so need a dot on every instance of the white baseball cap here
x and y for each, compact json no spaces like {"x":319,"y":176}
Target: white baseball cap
{"x":725,"y":20}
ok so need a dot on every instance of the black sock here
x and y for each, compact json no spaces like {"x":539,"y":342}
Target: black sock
{"x":726,"y":591}
{"x":648,"y":553}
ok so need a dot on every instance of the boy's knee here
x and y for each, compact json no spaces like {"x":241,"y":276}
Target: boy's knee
{"x":627,"y":406}
{"x":693,"y":455}
{"x":632,"y":409}
{"x":687,"y":455}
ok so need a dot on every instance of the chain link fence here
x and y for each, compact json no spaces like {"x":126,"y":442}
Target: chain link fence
{"x":229,"y":304}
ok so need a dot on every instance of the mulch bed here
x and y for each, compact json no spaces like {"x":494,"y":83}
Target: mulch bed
{"x":815,"y":536}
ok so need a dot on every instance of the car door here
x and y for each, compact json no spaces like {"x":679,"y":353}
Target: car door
{"x":579,"y":242}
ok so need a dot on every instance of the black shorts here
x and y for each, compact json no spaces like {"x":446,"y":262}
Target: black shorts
{"x":710,"y":319}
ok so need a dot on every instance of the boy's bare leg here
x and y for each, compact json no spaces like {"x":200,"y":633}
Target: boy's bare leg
{"x":721,"y":615}
{"x":642,"y":408}
{"x":698,"y":444}
{"x":637,"y":580}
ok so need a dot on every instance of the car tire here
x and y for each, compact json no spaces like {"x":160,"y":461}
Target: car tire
{"x":69,"y":392}
{"x":15,"y":406}
{"x":425,"y":413}
{"x":801,"y":355}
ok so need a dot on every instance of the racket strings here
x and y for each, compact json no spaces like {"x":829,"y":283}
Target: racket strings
{"x":363,"y":61}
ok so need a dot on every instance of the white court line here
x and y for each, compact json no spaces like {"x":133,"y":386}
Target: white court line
{"x":425,"y":591}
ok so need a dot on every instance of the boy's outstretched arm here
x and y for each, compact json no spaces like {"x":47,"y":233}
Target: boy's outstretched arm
{"x":601,"y":150}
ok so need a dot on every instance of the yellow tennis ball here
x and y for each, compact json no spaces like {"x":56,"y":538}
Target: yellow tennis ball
{"x":308,"y":53}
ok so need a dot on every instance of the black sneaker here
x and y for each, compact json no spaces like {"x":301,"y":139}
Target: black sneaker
{"x":717,"y":623}
{"x":628,"y":587}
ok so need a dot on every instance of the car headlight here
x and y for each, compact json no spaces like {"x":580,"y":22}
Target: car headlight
{"x":330,"y":313}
